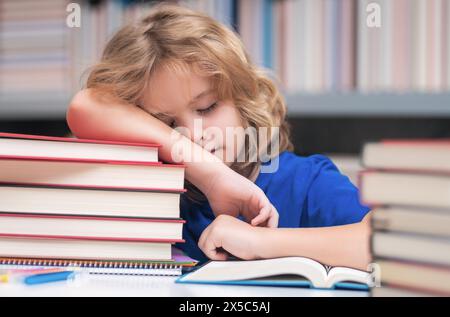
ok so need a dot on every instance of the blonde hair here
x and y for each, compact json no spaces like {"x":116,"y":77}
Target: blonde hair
{"x":178,"y":38}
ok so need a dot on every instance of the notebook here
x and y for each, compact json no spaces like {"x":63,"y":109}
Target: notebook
{"x":288,"y":271}
{"x":179,"y":262}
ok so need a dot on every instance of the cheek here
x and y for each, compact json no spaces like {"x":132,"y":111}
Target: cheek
{"x":227,"y":120}
{"x":228,"y":116}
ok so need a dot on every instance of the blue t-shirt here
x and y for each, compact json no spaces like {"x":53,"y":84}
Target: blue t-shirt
{"x":307,"y":192}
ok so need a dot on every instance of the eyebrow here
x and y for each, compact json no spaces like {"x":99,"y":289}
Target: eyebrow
{"x":200,"y":95}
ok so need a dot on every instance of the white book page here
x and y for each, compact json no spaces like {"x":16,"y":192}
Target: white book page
{"x":344,"y":274}
{"x":216,"y":271}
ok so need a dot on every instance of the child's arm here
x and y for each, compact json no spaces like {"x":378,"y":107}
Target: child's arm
{"x":97,"y":116}
{"x":346,"y":245}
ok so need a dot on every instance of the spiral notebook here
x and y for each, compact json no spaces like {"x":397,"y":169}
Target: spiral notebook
{"x":179,"y":262}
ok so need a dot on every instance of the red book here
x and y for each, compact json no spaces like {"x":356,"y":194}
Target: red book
{"x":84,"y":201}
{"x":42,"y":247}
{"x":25,"y":145}
{"x":91,"y":173}
{"x":91,"y":228}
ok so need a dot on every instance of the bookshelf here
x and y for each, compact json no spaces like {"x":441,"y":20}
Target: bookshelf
{"x":411,"y":79}
{"x":419,"y":105}
{"x":355,"y":104}
{"x":36,"y":106}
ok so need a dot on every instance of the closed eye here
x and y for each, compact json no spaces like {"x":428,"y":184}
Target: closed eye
{"x":207,"y":110}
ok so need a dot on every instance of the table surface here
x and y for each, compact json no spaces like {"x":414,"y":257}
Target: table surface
{"x":165,"y":286}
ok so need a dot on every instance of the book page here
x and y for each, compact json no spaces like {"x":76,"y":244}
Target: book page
{"x":345,"y":274}
{"x":216,"y":271}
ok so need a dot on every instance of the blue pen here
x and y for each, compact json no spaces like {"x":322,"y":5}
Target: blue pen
{"x":48,"y":277}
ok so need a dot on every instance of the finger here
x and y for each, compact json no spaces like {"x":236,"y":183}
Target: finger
{"x":273,"y":218}
{"x":263,"y":224}
{"x":203,"y":238}
{"x":252,"y":207}
{"x":212,"y":250}
{"x":262,"y":216}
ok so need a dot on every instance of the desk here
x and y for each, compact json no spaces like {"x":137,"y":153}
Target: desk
{"x":122,"y":286}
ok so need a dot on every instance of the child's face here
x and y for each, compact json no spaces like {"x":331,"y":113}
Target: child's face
{"x":188,"y":101}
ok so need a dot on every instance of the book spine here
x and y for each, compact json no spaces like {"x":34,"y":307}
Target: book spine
{"x":82,"y":238}
{"x":90,"y":187}
{"x":91,"y":218}
{"x":63,"y":139}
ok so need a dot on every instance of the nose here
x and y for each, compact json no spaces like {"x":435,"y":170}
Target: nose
{"x":195,"y":128}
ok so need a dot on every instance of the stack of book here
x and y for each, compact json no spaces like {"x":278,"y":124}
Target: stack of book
{"x":408,"y":186}
{"x":90,"y":203}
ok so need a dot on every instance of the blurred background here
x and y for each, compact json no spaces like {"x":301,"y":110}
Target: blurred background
{"x":345,"y":82}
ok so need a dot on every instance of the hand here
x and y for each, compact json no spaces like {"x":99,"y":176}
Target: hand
{"x":232,"y":194}
{"x":229,"y":235}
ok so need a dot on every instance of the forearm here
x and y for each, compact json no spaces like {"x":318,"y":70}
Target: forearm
{"x":346,"y":245}
{"x":102,"y":118}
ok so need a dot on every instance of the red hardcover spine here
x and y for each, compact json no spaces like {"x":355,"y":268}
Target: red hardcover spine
{"x":38,"y":236}
{"x":78,"y":160}
{"x":90,"y":187}
{"x":92,"y":218}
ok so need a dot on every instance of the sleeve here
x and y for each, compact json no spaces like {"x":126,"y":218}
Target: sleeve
{"x":331,"y":198}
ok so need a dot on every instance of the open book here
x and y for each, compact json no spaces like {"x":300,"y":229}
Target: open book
{"x":289,"y":271}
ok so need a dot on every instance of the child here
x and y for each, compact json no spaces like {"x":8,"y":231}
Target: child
{"x":177,"y":66}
